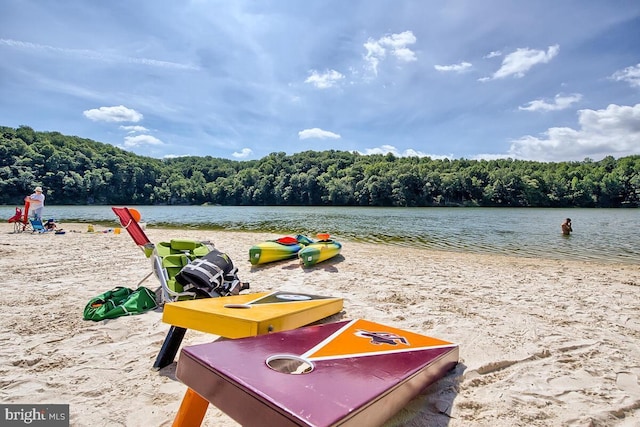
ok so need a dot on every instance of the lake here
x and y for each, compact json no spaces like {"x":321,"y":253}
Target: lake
{"x":599,"y":234}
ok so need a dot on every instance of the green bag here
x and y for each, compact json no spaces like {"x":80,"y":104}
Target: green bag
{"x":120,"y":301}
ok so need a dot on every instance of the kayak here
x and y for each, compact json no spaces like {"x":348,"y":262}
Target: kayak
{"x":276,"y":250}
{"x":320,"y":250}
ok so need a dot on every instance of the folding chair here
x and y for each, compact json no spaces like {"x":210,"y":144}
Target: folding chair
{"x":21,"y":219}
{"x":167,"y":258}
{"x":37,"y":226}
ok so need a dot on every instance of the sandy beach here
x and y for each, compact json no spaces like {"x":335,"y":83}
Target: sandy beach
{"x":542,"y":342}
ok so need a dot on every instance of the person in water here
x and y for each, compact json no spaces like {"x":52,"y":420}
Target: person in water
{"x":566,"y":227}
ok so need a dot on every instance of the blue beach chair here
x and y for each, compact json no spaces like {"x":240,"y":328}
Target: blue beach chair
{"x":37,"y":226}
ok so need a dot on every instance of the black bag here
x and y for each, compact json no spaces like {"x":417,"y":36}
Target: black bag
{"x":212,"y":275}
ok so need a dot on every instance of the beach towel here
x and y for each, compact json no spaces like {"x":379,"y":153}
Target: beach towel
{"x":120,"y":301}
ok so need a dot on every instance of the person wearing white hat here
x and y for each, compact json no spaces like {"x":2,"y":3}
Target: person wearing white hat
{"x":36,"y":201}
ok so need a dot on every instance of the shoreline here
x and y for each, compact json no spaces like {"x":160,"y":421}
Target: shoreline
{"x":601,"y":235}
{"x":542,"y":342}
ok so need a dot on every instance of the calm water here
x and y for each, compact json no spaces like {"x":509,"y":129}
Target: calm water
{"x":599,"y":234}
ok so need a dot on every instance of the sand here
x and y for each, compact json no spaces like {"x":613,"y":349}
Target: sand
{"x":542,"y":342}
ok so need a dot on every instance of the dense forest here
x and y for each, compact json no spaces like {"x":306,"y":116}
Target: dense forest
{"x":80,"y":171}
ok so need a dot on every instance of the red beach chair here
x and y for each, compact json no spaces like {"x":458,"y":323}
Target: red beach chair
{"x":21,"y":219}
{"x":129,"y":220}
{"x":129,"y":223}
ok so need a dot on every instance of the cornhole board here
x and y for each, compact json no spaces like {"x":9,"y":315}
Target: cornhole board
{"x":348,"y":373}
{"x":242,"y":316}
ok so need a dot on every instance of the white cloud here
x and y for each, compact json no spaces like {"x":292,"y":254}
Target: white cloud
{"x":613,"y":131}
{"x":326,"y":80}
{"x":138,"y":140}
{"x":493,"y":54}
{"x":560,"y":102}
{"x":134,"y":129}
{"x":245,"y":152}
{"x":175,"y":156}
{"x":113,"y":114}
{"x":375,"y":53}
{"x":95,"y":55}
{"x":317,"y":133}
{"x":458,"y":68}
{"x":489,"y":156}
{"x":404,"y":54}
{"x":630,"y":75}
{"x":519,"y":62}
{"x":396,"y":44}
{"x":410,"y":152}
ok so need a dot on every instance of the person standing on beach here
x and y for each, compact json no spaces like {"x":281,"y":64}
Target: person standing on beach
{"x":566,"y":227}
{"x":36,"y":200}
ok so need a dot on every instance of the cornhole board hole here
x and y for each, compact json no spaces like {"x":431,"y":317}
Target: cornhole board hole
{"x":348,"y":373}
{"x":241,"y":316}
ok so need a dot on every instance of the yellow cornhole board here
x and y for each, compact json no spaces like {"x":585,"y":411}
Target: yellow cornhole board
{"x":241,"y":316}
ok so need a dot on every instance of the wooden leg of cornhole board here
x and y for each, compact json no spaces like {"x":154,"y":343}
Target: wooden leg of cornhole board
{"x":192,"y":410}
{"x":170,"y":347}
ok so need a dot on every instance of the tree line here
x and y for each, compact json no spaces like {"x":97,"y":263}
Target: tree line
{"x":79,"y":171}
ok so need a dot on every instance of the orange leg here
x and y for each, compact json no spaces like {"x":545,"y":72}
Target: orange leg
{"x":192,"y":410}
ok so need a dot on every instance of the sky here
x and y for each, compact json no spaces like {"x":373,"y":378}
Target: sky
{"x":544,"y":80}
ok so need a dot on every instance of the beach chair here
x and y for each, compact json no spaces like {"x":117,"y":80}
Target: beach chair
{"x":167,"y":258}
{"x":21,"y":219}
{"x":37,"y":226}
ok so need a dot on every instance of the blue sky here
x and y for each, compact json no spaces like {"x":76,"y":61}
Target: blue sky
{"x":548,"y":80}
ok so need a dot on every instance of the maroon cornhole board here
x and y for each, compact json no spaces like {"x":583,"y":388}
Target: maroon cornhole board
{"x":356,"y":373}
